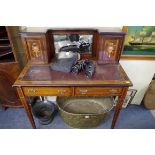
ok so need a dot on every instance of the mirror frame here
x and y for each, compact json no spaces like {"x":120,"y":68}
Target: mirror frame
{"x":50,"y":38}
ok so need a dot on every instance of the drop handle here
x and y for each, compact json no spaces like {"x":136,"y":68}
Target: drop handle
{"x":113,"y":90}
{"x":83,"y":90}
{"x":61,"y":91}
{"x":32,"y":90}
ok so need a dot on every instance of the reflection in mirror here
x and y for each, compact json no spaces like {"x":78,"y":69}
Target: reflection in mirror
{"x":73,"y":42}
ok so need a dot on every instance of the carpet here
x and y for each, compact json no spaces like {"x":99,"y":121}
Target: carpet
{"x":132,"y":117}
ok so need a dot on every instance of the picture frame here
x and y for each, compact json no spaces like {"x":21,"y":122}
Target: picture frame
{"x":128,"y":99}
{"x":83,"y":41}
{"x":153,"y":77}
{"x":139,"y":43}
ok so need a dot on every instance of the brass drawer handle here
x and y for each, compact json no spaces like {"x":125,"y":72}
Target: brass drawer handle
{"x":32,"y":90}
{"x":61,"y":91}
{"x":83,"y":91}
{"x":113,"y":90}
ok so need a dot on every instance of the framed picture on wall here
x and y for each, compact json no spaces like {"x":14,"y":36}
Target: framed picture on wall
{"x":129,"y":97}
{"x":139,"y":42}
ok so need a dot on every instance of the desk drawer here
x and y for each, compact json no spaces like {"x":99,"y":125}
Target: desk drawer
{"x":47,"y":91}
{"x":112,"y":91}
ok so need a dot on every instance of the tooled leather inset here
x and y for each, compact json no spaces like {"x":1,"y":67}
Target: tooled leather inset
{"x":44,"y":73}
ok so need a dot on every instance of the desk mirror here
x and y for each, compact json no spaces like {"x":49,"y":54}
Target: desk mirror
{"x":80,"y":41}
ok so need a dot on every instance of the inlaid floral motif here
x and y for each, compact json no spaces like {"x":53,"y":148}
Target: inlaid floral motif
{"x":36,"y":50}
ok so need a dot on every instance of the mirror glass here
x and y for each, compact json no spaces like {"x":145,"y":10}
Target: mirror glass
{"x":81,"y":43}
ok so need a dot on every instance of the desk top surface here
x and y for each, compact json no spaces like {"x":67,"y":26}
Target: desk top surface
{"x":43,"y":75}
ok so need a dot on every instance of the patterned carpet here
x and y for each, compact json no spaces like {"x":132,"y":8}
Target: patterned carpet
{"x":132,"y":117}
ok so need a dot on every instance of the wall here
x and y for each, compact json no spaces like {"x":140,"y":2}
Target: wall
{"x":139,"y":71}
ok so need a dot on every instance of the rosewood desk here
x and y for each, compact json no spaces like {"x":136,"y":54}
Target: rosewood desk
{"x":40,"y":80}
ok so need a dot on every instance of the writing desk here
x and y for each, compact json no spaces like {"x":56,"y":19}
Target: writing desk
{"x":40,"y":80}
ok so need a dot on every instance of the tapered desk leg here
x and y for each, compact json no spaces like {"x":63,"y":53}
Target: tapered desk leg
{"x":26,"y":106}
{"x":119,"y":106}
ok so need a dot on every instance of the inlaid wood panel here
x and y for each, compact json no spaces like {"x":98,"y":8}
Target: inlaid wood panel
{"x":110,"y":47}
{"x":36,"y":47}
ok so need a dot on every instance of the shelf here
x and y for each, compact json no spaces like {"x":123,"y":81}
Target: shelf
{"x":4,"y":41}
{"x":7,"y":48}
{"x":5,"y":45}
{"x":4,"y":53}
{"x":4,"y":38}
{"x":7,"y":58}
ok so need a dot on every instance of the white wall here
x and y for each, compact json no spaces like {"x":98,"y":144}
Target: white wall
{"x":139,"y":71}
{"x":44,"y":29}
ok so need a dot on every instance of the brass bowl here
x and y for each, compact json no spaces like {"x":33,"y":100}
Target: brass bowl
{"x":84,"y":112}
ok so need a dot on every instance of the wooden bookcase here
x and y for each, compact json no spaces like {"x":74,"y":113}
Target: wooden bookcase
{"x":9,"y":70}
